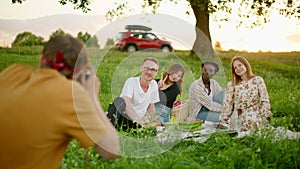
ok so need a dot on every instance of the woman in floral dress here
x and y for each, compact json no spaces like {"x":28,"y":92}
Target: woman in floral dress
{"x":246,"y":98}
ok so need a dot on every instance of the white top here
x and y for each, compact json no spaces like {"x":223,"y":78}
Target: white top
{"x":210,"y":94}
{"x":140,"y":100}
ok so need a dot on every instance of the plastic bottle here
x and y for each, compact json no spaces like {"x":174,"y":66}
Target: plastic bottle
{"x":234,"y":121}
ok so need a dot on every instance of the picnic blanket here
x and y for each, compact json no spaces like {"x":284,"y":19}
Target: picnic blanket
{"x":176,"y":134}
{"x":170,"y":135}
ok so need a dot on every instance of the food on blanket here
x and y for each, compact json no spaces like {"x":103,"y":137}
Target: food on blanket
{"x":177,"y":103}
{"x":190,"y":126}
{"x":174,"y":119}
{"x":219,"y":126}
{"x":232,"y":132}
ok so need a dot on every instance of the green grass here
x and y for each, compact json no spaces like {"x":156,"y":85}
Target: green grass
{"x":281,"y":74}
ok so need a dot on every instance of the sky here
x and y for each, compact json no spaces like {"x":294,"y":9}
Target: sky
{"x":280,"y":34}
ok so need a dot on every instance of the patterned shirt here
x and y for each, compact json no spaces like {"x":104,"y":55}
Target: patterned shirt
{"x":199,"y":97}
{"x":251,"y":99}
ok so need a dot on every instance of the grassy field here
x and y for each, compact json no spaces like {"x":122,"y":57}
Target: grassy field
{"x":280,"y":71}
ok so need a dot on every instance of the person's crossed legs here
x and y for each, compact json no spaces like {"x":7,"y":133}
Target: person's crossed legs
{"x":118,"y":117}
{"x":207,"y":115}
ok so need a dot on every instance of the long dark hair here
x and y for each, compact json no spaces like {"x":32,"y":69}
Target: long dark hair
{"x":174,"y":69}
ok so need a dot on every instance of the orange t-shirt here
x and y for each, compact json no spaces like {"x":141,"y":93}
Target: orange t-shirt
{"x":40,"y":112}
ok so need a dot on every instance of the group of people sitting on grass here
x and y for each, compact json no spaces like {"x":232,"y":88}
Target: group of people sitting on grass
{"x":146,"y":102}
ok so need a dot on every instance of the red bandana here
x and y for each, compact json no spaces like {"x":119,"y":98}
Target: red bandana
{"x":59,"y":62}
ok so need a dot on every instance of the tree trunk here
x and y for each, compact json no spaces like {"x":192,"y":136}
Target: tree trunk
{"x":202,"y":44}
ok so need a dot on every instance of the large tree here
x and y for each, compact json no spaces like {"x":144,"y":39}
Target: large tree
{"x":78,"y":4}
{"x":250,"y":12}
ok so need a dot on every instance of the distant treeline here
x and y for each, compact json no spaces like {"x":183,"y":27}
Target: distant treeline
{"x":30,"y":39}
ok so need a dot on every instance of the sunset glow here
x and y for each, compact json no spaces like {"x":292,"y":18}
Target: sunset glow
{"x":281,"y":34}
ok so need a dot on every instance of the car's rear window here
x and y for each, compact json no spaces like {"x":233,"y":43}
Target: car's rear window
{"x":120,"y":35}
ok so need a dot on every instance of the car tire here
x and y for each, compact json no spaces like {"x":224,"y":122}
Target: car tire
{"x":165,"y":49}
{"x":131,"y":49}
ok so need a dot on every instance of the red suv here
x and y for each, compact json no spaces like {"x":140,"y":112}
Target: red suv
{"x":138,"y":37}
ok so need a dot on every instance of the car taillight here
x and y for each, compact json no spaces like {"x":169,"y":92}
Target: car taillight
{"x":121,"y":43}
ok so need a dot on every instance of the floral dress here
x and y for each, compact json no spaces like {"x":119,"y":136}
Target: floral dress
{"x":250,"y":101}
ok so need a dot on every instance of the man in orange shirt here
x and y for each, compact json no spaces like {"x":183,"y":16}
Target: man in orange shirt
{"x":43,"y":109}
